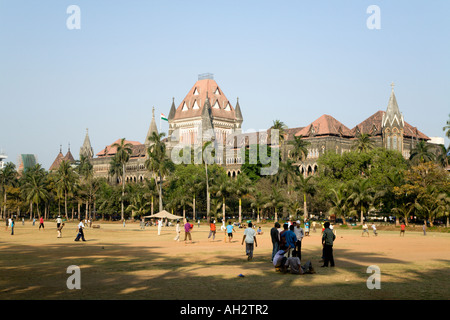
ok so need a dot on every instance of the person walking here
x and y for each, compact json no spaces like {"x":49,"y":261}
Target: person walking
{"x":424,"y":228}
{"x":250,"y":241}
{"x":12,"y":227}
{"x":212,"y":230}
{"x":80,"y":234}
{"x":178,"y":231}
{"x":365,"y":229}
{"x":60,"y":230}
{"x":41,"y":223}
{"x":187,"y":231}
{"x":374,"y":228}
{"x":58,"y":222}
{"x":328,"y":238}
{"x":230,"y":230}
{"x":160,"y":222}
{"x":275,"y":236}
{"x":34,"y":221}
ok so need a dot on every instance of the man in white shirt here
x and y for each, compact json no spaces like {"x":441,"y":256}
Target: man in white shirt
{"x":298,"y":230}
{"x":58,"y":222}
{"x":80,"y":231}
{"x":250,"y":240}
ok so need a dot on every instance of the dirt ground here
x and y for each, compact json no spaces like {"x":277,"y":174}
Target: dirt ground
{"x":123,"y":263}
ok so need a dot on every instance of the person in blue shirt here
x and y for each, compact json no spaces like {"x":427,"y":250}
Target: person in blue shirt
{"x":230,"y":230}
{"x":291,"y":239}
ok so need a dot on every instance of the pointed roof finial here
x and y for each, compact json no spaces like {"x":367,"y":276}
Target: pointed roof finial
{"x":69,"y":146}
{"x":153,"y":112}
{"x":392,"y":86}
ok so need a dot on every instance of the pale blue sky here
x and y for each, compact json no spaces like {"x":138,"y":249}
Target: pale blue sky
{"x":287,"y":60}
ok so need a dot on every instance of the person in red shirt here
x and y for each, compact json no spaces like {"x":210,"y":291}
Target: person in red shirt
{"x":402,"y":229}
{"x":212,"y":230}
{"x":41,"y":223}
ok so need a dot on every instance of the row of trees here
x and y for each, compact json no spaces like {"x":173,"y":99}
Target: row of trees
{"x":353,"y":184}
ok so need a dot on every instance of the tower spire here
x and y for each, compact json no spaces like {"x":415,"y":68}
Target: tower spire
{"x":151,"y":129}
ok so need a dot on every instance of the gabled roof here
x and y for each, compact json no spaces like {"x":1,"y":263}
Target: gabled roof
{"x":326,"y":125}
{"x":68,"y":157}
{"x":197,"y":94}
{"x":373,"y":126}
{"x":55,"y":165}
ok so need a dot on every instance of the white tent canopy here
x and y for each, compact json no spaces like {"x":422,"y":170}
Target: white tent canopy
{"x":164,"y":214}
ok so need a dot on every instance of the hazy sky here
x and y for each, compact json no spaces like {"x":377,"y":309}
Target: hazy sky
{"x":287,"y":60}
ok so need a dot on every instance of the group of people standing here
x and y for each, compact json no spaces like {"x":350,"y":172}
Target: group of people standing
{"x":287,"y":247}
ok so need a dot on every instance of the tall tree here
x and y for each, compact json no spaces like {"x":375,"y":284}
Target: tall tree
{"x":8,"y":176}
{"x":421,"y":153}
{"x":300,"y":148}
{"x":242,"y":186}
{"x":122,"y":156}
{"x":363,"y":143}
{"x":34,"y":188}
{"x":306,"y":187}
{"x":66,"y":181}
{"x":361,"y":196}
{"x":446,"y":128}
{"x":223,"y":188}
{"x":338,"y":199}
{"x":281,"y":127}
{"x":158,"y":163}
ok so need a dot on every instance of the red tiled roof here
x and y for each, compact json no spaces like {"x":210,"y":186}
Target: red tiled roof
{"x":55,"y":165}
{"x":372,"y":126}
{"x":197,"y":97}
{"x":69,"y":157}
{"x":324,"y":126}
{"x":110,"y":151}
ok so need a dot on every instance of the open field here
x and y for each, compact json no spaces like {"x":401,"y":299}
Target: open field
{"x":129,"y":263}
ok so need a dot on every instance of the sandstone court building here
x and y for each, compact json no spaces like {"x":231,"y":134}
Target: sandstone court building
{"x":206,"y":114}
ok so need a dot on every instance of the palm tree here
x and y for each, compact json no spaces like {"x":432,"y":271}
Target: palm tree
{"x":275,"y":200}
{"x":421,"y":153}
{"x":152,"y":190}
{"x":206,"y":146}
{"x":139,"y":204}
{"x":34,"y":189}
{"x":361,"y":196}
{"x":8,"y":176}
{"x":242,"y":187}
{"x":66,"y":181}
{"x":257,"y":201}
{"x":281,"y":127}
{"x":363,"y":143}
{"x":443,"y":159}
{"x":300,"y":148}
{"x":447,"y":128}
{"x":305,"y":186}
{"x":338,"y":200}
{"x":223,"y":187}
{"x":122,"y":156}
{"x":158,"y":163}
